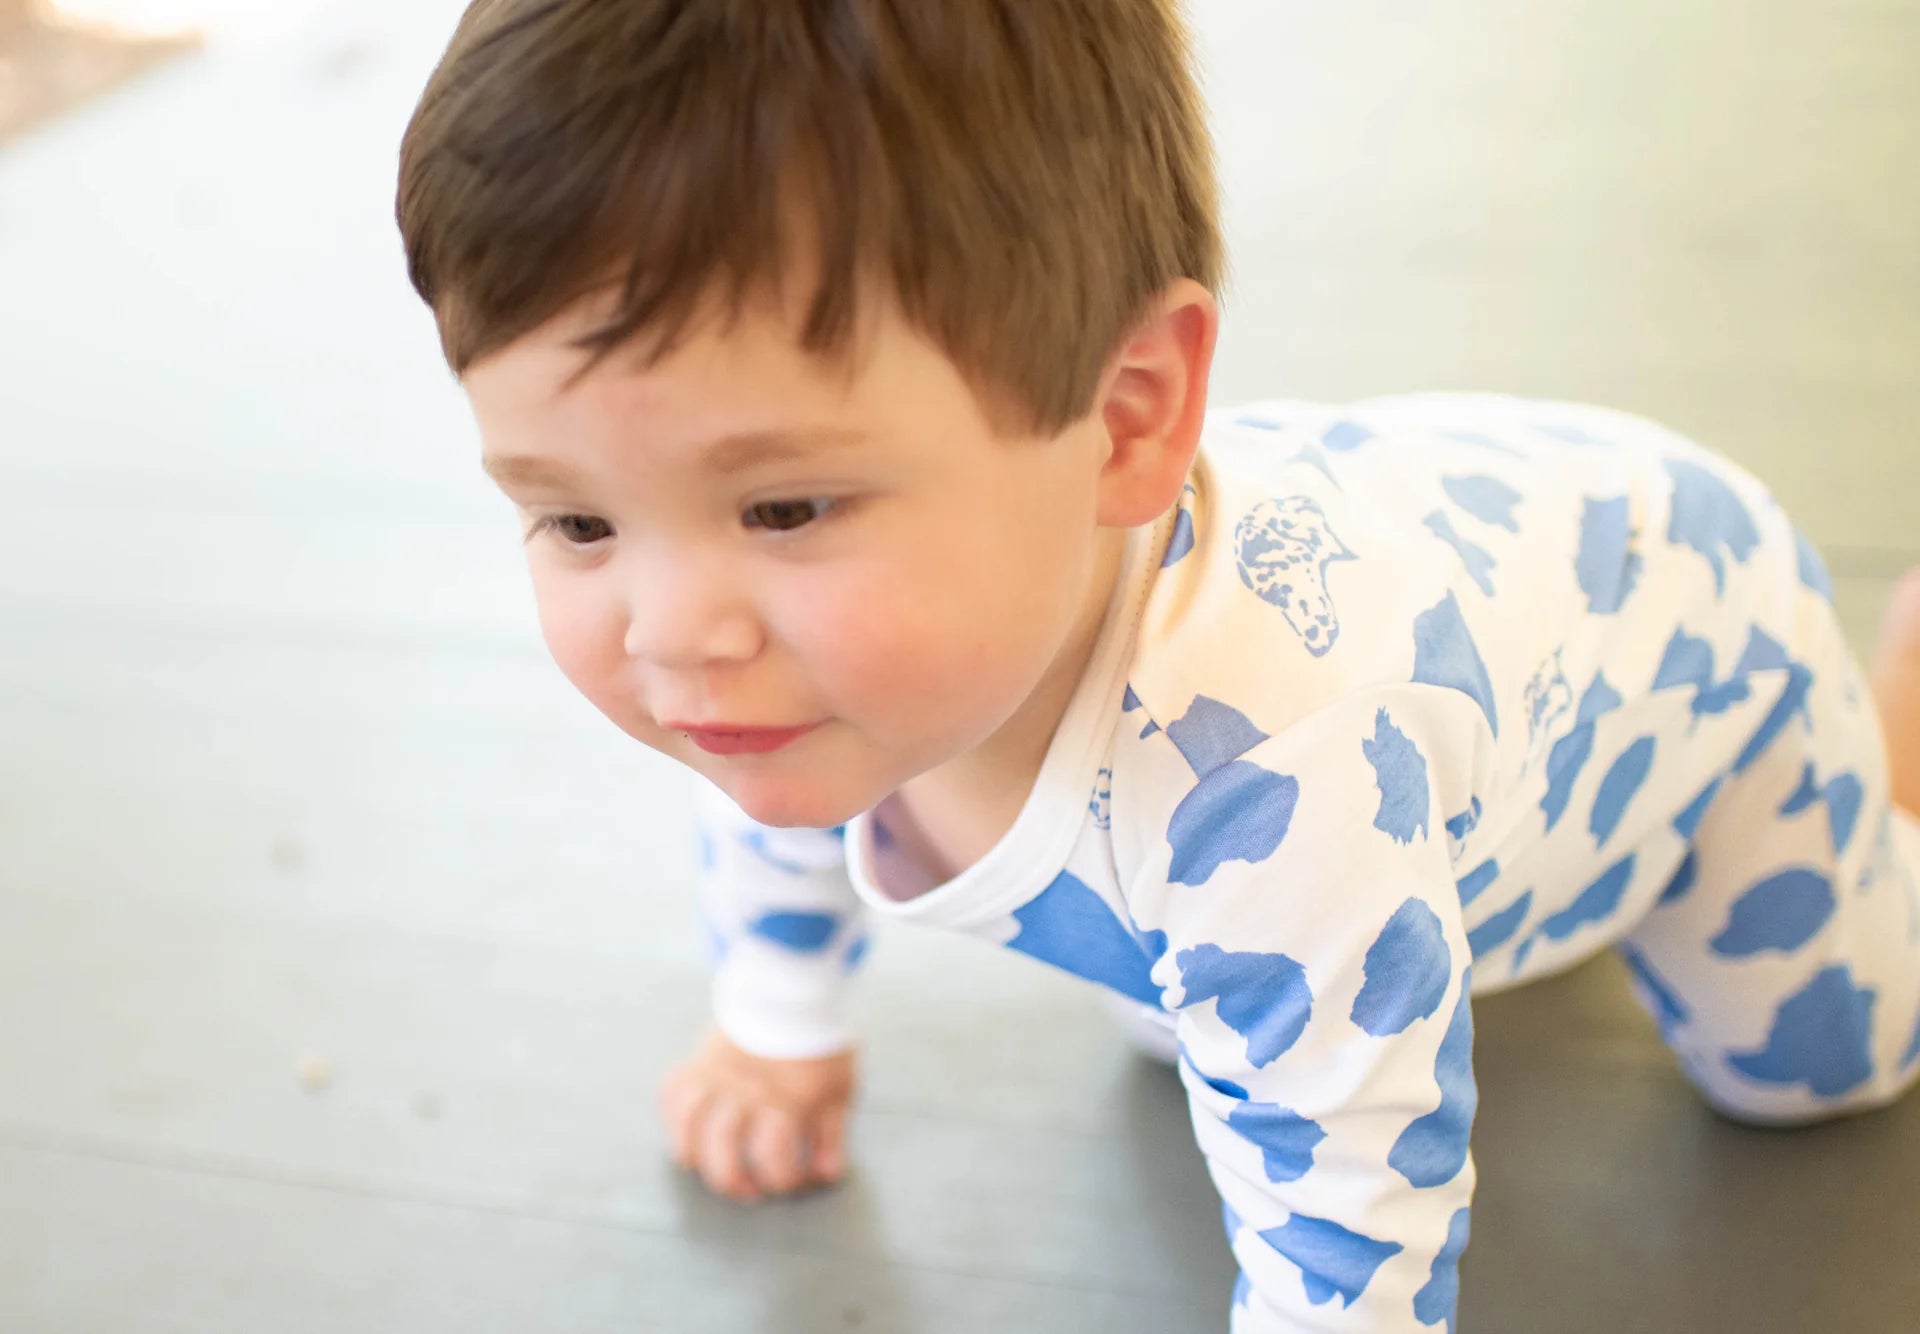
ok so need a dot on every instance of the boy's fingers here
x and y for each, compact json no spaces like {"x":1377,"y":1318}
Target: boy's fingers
{"x":718,"y":1150}
{"x":681,"y":1102}
{"x":773,"y":1150}
{"x":830,"y":1144}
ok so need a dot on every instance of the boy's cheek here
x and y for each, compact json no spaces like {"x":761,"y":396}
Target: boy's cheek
{"x":587,"y":647}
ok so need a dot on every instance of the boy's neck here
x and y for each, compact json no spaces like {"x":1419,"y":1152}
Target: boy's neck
{"x":978,"y":795}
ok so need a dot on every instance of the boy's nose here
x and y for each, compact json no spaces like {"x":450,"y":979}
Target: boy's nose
{"x":684,"y":617}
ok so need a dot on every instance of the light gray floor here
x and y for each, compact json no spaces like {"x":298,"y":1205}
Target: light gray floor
{"x":285,"y":778}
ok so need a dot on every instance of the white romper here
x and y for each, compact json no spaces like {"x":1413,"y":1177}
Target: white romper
{"x":1406,"y":700}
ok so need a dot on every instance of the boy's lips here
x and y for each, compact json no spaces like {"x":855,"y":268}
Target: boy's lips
{"x":732,"y":740}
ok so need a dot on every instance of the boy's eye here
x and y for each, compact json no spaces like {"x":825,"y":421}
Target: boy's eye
{"x":784,"y":515}
{"x":579,"y":530}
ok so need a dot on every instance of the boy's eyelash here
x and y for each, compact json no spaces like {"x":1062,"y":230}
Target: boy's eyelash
{"x":550,"y":523}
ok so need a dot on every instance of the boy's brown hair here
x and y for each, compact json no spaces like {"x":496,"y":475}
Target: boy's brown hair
{"x":1022,"y":175}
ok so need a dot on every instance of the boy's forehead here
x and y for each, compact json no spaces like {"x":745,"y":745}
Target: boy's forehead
{"x":734,"y":353}
{"x":696,"y":410}
{"x":740,"y":391}
{"x":732,"y":394}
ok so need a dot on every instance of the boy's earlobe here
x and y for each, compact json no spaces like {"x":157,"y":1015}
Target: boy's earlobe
{"x":1155,"y":405}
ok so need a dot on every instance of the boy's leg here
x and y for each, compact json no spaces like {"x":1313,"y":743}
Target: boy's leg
{"x":1784,"y":965}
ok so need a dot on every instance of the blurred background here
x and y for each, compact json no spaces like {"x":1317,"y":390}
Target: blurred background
{"x":341,"y":946}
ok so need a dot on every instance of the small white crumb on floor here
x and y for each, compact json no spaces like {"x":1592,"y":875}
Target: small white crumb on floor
{"x":313,"y":1072}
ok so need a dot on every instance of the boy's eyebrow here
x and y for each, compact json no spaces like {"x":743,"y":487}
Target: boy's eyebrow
{"x":731,"y":453}
{"x":727,"y":455}
{"x":526,"y":470}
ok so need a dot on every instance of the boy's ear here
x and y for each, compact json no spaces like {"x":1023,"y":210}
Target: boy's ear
{"x":1154,"y":404}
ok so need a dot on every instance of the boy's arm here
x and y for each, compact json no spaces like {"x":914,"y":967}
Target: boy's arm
{"x":760,"y":1107}
{"x":784,"y":931}
{"x":1317,"y":961}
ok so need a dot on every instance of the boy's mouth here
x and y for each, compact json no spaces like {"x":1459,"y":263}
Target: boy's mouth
{"x":741,"y":740}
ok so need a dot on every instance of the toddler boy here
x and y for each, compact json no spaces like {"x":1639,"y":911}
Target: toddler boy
{"x":847,"y":361}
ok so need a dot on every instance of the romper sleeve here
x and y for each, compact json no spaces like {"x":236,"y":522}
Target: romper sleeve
{"x":784,"y":930}
{"x":1318,"y":968}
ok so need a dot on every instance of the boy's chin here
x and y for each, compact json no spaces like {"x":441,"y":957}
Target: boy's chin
{"x":787,"y":801}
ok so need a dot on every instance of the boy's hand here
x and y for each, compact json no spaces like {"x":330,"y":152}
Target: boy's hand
{"x":752,"y":1125}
